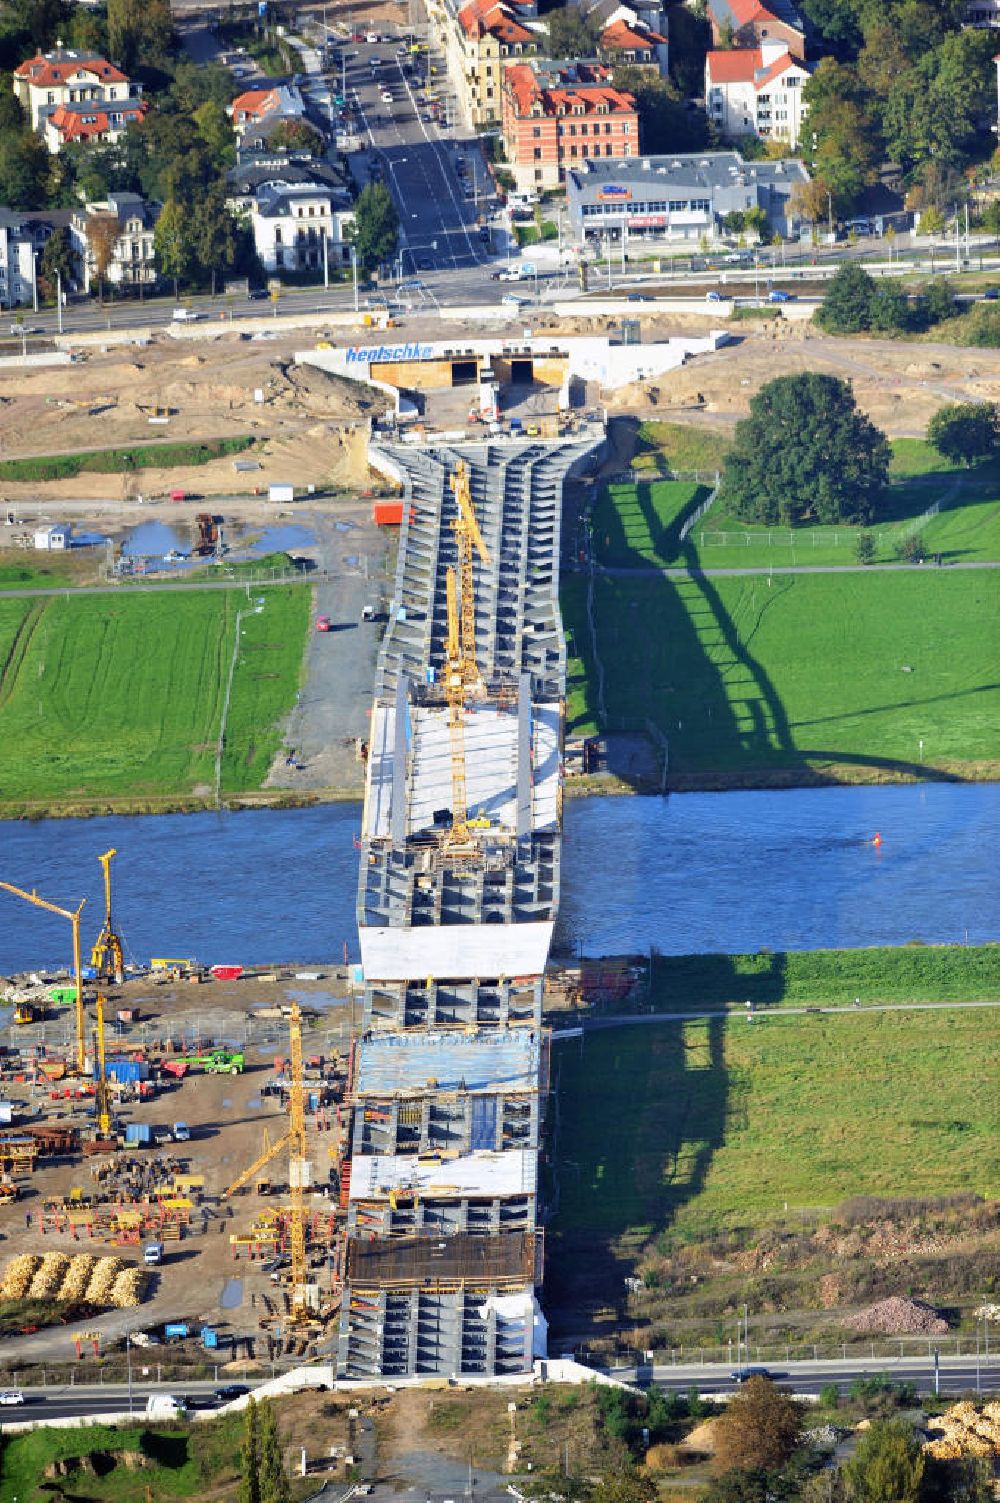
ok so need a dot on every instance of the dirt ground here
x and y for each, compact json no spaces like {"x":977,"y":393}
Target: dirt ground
{"x":227,"y":1116}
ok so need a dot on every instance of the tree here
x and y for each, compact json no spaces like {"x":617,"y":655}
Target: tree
{"x":805,"y":454}
{"x":759,"y":1429}
{"x":250,"y":1457}
{"x":690,"y":39}
{"x":24,"y":171}
{"x":623,"y":1483}
{"x":170,"y":242}
{"x":865,"y":550}
{"x":839,"y":136}
{"x":931,"y":221}
{"x":216,"y":130}
{"x":665,"y":122}
{"x":57,"y":261}
{"x":102,"y":237}
{"x":572,"y":34}
{"x":812,"y":200}
{"x":847,"y":302}
{"x":296,"y":135}
{"x":965,"y":431}
{"x":273,"y":1477}
{"x":139,"y":31}
{"x":211,"y":234}
{"x":376,"y":226}
{"x":887,"y":1465}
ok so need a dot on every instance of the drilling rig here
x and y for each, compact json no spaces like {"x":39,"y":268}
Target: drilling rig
{"x":108,"y":956}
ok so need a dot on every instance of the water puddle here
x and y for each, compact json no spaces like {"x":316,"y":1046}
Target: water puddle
{"x":317,"y":1000}
{"x":156,"y":539}
{"x":232,"y":1295}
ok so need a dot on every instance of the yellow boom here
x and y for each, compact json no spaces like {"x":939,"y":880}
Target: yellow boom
{"x":74,"y":918}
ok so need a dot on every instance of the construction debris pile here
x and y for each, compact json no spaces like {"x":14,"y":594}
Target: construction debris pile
{"x":898,"y":1317}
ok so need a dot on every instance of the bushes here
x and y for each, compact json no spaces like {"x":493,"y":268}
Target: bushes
{"x":856,"y":304}
{"x":117,"y":461}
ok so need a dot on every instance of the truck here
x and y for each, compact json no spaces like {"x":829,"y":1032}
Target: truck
{"x":217,"y":1062}
{"x":152,"y":1254}
{"x":181,"y":1133}
{"x":165,"y":1406}
{"x":281,"y":493}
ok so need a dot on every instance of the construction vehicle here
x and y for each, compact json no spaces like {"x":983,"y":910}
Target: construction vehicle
{"x":74,"y":918}
{"x":28,"y":1012}
{"x":216,"y":1062}
{"x":108,"y":956}
{"x":104,"y":1140}
{"x":8,"y":1192}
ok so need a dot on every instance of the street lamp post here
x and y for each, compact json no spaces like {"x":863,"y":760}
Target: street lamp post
{"x":128,"y":1365}
{"x":354,"y":274}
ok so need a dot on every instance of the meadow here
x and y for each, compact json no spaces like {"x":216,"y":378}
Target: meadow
{"x":119,"y":697}
{"x":116,"y":461}
{"x":638,"y":523}
{"x":673,"y":1132}
{"x":859,"y":676}
{"x":823,"y":978}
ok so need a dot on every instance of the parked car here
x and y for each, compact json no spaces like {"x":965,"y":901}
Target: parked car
{"x":323,"y":623}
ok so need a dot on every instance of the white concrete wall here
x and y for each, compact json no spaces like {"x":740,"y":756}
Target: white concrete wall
{"x":455,"y":950}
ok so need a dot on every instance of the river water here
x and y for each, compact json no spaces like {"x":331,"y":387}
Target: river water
{"x":696,"y":872}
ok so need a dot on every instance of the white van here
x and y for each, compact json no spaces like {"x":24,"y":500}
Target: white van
{"x":185,"y":316}
{"x":152,"y":1254}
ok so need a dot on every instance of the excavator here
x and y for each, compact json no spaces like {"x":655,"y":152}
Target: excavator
{"x":108,"y":955}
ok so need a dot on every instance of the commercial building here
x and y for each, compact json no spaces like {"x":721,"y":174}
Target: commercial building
{"x":132,"y":262}
{"x":682,"y":198}
{"x":77,"y":96}
{"x":757,"y":91}
{"x":558,"y":114}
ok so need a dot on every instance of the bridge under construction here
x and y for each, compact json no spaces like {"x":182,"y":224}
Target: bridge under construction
{"x":457,"y":898}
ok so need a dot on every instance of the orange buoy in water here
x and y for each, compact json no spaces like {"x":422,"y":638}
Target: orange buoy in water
{"x":878,"y":839}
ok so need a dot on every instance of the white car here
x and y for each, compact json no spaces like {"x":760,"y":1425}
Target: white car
{"x":185,"y":316}
{"x":511,"y":300}
{"x":10,"y":1396}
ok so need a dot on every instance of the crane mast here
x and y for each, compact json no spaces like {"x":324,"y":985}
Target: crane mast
{"x":298,"y":1168}
{"x":74,"y":918}
{"x":107,"y":956}
{"x":103,"y":1100}
{"x":462,"y":673}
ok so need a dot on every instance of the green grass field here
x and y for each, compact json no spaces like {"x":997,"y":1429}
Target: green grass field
{"x":966,"y":528}
{"x":809,"y":671}
{"x":634,"y":523}
{"x":178,"y":1462}
{"x":121,"y":696}
{"x":115,"y":461}
{"x":805,"y":978}
{"x":697,"y":1126}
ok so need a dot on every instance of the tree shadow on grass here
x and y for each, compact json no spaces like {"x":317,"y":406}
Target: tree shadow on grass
{"x":641,"y":1110}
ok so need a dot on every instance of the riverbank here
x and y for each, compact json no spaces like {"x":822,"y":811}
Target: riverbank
{"x":832,"y":775}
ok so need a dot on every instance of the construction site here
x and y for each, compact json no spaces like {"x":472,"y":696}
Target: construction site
{"x":382,"y":1209}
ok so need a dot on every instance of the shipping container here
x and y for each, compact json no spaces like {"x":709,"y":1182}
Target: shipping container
{"x":281,"y":493}
{"x":125,"y":1071}
{"x":138,"y":1133}
{"x":226,"y":972}
{"x":389,"y":513}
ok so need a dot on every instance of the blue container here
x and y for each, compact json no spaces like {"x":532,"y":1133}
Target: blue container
{"x":174,"y":1331}
{"x":138,"y":1133}
{"x":209,"y":1337}
{"x":126,"y":1071}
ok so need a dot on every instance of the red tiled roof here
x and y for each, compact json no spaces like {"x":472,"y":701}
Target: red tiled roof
{"x":746,"y":65}
{"x":491,"y":16}
{"x":619,"y":35}
{"x":255,"y":102}
{"x":43,"y":73}
{"x":83,"y":125}
{"x":527,"y":92}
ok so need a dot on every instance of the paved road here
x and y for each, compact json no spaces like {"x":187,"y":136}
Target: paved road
{"x":957,"y":1374}
{"x":59,"y":1401}
{"x":626,"y":1020}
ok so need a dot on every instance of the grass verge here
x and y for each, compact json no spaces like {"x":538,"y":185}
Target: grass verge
{"x":116,"y":461}
{"x":121,"y":696}
{"x":852,"y":677}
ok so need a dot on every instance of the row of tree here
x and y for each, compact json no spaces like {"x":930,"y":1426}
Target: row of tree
{"x":909,"y":83}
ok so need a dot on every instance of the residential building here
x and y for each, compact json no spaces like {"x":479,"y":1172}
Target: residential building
{"x":983,"y":13}
{"x":264,"y":100}
{"x":90,"y":123}
{"x":748,"y":23}
{"x":133,"y":260}
{"x":682,"y":198}
{"x":292,"y":224}
{"x":479,"y":39}
{"x":633,"y":35}
{"x":76,"y":96}
{"x":756,"y":91}
{"x":257,"y":170}
{"x":558,"y":114}
{"x":17,"y":253}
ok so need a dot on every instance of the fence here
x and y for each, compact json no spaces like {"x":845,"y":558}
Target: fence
{"x":887,"y":1349}
{"x":634,"y":476}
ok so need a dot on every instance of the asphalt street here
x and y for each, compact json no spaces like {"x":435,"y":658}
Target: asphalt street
{"x":957,"y":1374}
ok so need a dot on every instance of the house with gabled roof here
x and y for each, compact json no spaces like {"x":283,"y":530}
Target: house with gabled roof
{"x":71,"y":95}
{"x":749,"y":23}
{"x":757,"y":91}
{"x":558,"y":114}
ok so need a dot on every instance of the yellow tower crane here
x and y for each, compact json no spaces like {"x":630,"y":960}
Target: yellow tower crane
{"x":74,"y":918}
{"x":462,"y":668}
{"x":298,"y":1169}
{"x":108,"y":957}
